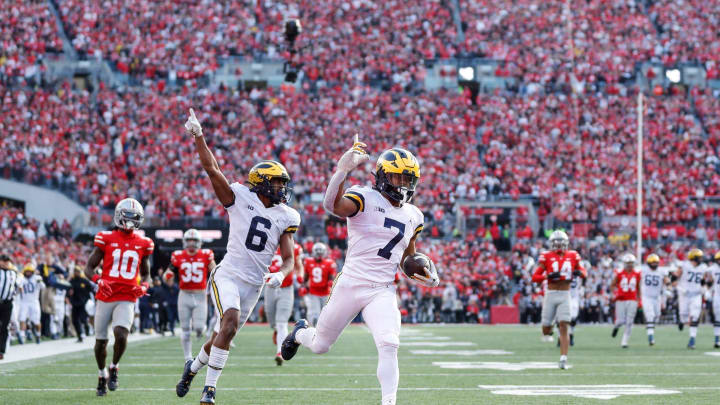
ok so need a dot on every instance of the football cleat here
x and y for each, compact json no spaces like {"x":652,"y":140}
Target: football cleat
{"x":278,"y":359}
{"x":102,"y":387}
{"x":562,"y":364}
{"x":615,"y":331}
{"x":717,"y":339}
{"x":289,"y":345}
{"x":624,"y":346}
{"x":208,"y":395}
{"x":183,"y":386}
{"x":681,"y":326}
{"x":113,"y":380}
{"x":691,"y":343}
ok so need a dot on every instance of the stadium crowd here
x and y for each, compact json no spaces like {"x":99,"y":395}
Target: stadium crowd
{"x":572,"y":154}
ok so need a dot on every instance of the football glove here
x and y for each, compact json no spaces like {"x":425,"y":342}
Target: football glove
{"x":353,"y":157}
{"x":104,"y":288}
{"x":430,"y":279}
{"x":555,"y":275}
{"x":140,"y":290}
{"x":192,"y":125}
{"x":577,"y":273}
{"x":274,"y":280}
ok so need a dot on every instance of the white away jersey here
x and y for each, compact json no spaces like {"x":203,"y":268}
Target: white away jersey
{"x":652,"y":281}
{"x":714,"y":270}
{"x":378,"y":235}
{"x":689,"y":283}
{"x":254,"y":234}
{"x":31,"y":289}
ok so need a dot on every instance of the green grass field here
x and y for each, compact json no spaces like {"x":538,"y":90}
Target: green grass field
{"x":665,"y":374}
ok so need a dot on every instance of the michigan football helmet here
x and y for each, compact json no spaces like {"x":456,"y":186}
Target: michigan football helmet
{"x":262,"y":180}
{"x":192,"y":239}
{"x":129,"y":214}
{"x":695,"y":255}
{"x":319,"y":250}
{"x":559,"y":241}
{"x":396,"y":174}
{"x":653,"y":260}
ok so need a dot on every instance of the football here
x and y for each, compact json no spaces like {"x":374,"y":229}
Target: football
{"x":416,"y":264}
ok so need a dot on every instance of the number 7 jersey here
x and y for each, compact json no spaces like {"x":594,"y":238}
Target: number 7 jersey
{"x":123,"y":253}
{"x":378,"y":235}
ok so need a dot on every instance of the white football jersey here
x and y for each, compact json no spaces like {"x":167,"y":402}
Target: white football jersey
{"x":652,"y":281}
{"x":31,"y":289}
{"x":714,"y":269}
{"x":254,"y":234}
{"x":378,"y":235}
{"x":689,"y":283}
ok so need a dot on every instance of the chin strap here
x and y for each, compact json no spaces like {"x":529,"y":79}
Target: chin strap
{"x":332,"y":190}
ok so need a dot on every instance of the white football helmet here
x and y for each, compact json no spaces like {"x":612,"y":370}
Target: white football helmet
{"x":629,"y":260}
{"x":319,"y":250}
{"x":192,"y":239}
{"x":559,"y":241}
{"x":129,"y":214}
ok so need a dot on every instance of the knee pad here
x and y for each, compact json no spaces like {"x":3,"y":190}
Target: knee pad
{"x":388,"y":339}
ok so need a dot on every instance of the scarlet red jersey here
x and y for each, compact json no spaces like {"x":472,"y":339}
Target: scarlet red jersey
{"x":121,"y":264}
{"x":277,"y":262}
{"x":564,"y":263}
{"x":319,"y":275}
{"x":626,"y":285}
{"x":192,"y":269}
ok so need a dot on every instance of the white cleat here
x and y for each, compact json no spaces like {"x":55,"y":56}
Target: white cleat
{"x":547,"y":339}
{"x":562,"y":364}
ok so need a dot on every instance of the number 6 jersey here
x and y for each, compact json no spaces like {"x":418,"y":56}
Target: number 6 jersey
{"x":121,"y":263}
{"x":254,"y":234}
{"x":378,"y":235}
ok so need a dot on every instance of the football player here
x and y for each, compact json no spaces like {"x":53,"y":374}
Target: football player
{"x":691,"y":274}
{"x":192,"y":265}
{"x":321,"y":271}
{"x":558,"y":266}
{"x":652,"y":281}
{"x":279,"y":301}
{"x":625,"y":287}
{"x":29,"y":313}
{"x":125,"y":257}
{"x":714,"y":270}
{"x":382,"y":229}
{"x":260,"y":220}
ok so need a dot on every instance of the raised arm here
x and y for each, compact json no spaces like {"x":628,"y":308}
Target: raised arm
{"x":334,"y":201}
{"x":218,"y":180}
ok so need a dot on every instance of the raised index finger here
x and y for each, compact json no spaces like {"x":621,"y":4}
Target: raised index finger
{"x":192,"y":113}
{"x":355,"y":139}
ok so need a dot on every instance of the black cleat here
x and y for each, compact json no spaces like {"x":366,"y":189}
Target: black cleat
{"x":681,"y":326}
{"x":615,"y":331}
{"x":289,"y":345}
{"x":278,"y":359}
{"x":183,"y":386}
{"x":113,"y":380}
{"x":102,"y":387}
{"x":208,"y":395}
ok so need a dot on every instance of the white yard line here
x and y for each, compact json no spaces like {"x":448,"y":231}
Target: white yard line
{"x":31,"y":351}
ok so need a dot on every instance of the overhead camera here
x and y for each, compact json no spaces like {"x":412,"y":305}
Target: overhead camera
{"x":291,"y":33}
{"x":292,"y":30}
